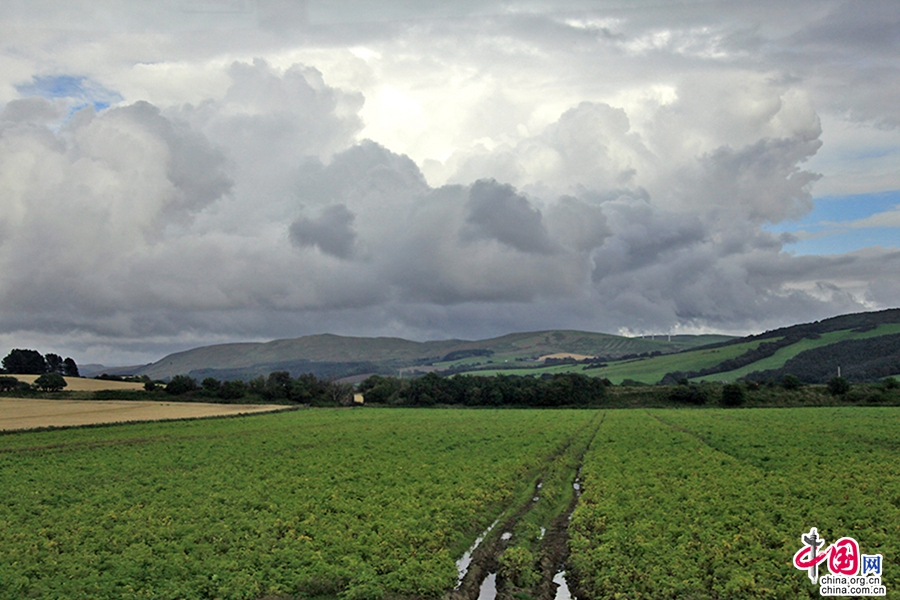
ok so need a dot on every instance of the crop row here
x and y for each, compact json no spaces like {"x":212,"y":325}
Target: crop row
{"x":366,"y":503}
{"x":712,"y":503}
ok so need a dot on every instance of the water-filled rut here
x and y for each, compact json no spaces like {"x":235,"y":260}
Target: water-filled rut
{"x":525,"y":552}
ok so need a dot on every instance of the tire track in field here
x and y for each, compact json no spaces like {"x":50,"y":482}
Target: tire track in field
{"x":552,"y":552}
{"x":555,"y":545}
{"x":741,"y":459}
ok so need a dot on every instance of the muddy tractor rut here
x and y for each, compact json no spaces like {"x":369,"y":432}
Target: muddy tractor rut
{"x":550,"y":556}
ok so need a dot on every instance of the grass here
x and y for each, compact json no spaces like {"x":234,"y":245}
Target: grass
{"x":782,"y":355}
{"x":645,"y":370}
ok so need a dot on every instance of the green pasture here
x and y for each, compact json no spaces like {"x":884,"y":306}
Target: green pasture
{"x":645,"y":370}
{"x":782,"y":355}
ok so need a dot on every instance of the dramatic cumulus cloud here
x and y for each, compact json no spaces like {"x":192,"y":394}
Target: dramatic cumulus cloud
{"x":612,"y":170}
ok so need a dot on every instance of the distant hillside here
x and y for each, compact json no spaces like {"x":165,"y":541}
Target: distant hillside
{"x":329,"y":355}
{"x":866,"y":346}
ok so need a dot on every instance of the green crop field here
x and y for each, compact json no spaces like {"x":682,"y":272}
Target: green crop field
{"x":380,"y":503}
{"x":712,"y":503}
{"x":364,"y":503}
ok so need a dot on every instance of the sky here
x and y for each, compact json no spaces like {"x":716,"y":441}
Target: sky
{"x":179,"y":173}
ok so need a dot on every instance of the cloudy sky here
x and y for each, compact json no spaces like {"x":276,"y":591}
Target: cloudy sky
{"x":177,"y":173}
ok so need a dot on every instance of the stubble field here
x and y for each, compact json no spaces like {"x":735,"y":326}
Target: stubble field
{"x":34,"y":413}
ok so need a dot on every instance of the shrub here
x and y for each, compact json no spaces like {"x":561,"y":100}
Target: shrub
{"x":732,"y":395}
{"x":890,"y":383}
{"x":790,"y":382}
{"x":838,"y":386}
{"x":634,"y":383}
{"x":50,"y":382}
{"x":7,"y":383}
{"x":688,"y":394}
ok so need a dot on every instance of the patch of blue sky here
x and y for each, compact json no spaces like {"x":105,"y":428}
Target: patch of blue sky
{"x":839,"y":224}
{"x":78,"y":91}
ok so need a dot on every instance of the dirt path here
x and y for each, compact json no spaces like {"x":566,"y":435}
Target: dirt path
{"x":27,"y":413}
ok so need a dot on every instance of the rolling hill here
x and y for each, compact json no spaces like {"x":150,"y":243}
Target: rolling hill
{"x":865,"y":346}
{"x":329,"y":355}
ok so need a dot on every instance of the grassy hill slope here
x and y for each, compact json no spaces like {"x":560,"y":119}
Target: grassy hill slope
{"x":865,"y":345}
{"x":333,"y":355}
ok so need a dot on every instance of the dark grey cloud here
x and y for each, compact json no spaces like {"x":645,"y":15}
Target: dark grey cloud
{"x":496,"y":211}
{"x":332,"y":232}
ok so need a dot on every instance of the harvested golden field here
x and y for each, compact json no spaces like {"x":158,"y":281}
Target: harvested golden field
{"x":566,"y":355}
{"x":18,"y":413}
{"x":80,"y":384}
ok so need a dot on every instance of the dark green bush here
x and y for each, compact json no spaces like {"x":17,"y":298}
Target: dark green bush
{"x":732,"y":395}
{"x":838,"y":386}
{"x":181,"y":384}
{"x":688,"y":394}
{"x":790,"y":382}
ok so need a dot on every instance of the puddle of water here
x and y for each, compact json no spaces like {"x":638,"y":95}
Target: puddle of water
{"x":462,"y":565}
{"x":536,"y":498}
{"x":543,"y":531}
{"x":488,"y":589}
{"x":562,"y":592}
{"x":506,"y":535}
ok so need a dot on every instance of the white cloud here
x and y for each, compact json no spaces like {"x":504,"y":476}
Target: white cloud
{"x":588,"y":166}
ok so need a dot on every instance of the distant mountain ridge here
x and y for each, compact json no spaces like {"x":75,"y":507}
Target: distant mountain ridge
{"x":329,"y":355}
{"x":864,"y":345}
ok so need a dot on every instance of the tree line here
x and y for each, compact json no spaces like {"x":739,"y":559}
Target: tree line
{"x":32,"y":362}
{"x":278,"y":387}
{"x":563,"y":389}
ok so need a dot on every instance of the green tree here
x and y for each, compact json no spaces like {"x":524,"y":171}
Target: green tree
{"x":278,"y":386}
{"x":233,"y":390}
{"x":181,"y":384}
{"x":70,"y":369}
{"x":211,"y":385}
{"x":25,"y":362}
{"x":54,"y":363}
{"x":8,"y":383}
{"x":50,"y":382}
{"x":381,"y":390}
